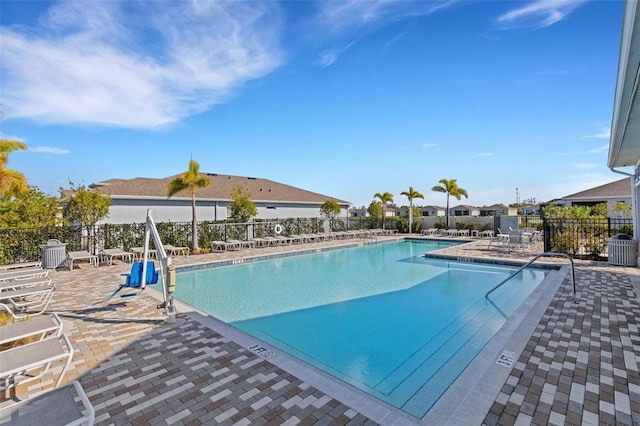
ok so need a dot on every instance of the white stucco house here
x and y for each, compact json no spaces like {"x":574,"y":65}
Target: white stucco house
{"x":624,"y":145}
{"x":132,"y":197}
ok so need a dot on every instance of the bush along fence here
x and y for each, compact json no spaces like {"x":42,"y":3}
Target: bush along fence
{"x":583,"y":237}
{"x":23,"y":244}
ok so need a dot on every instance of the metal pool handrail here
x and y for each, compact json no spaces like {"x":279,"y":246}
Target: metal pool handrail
{"x":546,"y":254}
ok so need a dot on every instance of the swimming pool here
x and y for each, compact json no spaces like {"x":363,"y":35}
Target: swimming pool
{"x":383,"y":318}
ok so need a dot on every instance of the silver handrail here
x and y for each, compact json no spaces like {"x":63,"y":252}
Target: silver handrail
{"x":546,"y":254}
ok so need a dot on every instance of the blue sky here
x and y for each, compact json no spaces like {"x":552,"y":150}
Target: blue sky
{"x":342,"y":98}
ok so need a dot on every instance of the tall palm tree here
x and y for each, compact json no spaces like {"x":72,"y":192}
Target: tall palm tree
{"x":190,"y":180}
{"x":12,"y":182}
{"x":385,"y":198}
{"x":411,"y":194}
{"x":451,"y":188}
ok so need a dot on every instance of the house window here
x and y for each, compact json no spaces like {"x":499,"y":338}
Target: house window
{"x":270,"y":208}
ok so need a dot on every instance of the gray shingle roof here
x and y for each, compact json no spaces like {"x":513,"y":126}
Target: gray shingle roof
{"x":262,"y":190}
{"x":619,"y":188}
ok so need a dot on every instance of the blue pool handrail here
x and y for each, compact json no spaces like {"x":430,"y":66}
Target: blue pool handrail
{"x":538,"y":256}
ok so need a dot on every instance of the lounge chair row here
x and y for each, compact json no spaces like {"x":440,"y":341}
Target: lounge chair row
{"x":108,"y":255}
{"x":282,"y":240}
{"x":25,"y":291}
{"x":26,"y":362}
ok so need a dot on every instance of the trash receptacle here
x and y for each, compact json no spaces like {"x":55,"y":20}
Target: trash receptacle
{"x":623,"y":250}
{"x":53,"y":254}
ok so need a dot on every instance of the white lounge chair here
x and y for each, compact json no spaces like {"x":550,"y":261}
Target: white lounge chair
{"x":28,"y":282}
{"x":107,"y":255}
{"x":175,"y":251}
{"x":42,"y":326}
{"x":27,"y":301}
{"x":138,"y":253}
{"x":220,"y":246}
{"x":72,"y":256}
{"x":52,"y":408}
{"x":22,"y":265}
{"x":24,"y":273}
{"x":29,"y":362}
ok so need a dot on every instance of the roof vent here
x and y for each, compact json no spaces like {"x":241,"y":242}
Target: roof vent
{"x":229,"y":177}
{"x":252,"y":178}
{"x":212,"y":174}
{"x":260,"y":189}
{"x":269,"y":189}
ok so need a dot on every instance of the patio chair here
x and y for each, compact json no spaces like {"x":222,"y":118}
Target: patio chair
{"x":27,"y":301}
{"x":107,"y":255}
{"x":41,"y":326}
{"x":81,"y":255}
{"x":516,"y":239}
{"x":52,"y":408}
{"x":30,"y":362}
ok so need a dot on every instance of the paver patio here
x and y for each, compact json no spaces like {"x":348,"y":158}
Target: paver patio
{"x":580,"y":365}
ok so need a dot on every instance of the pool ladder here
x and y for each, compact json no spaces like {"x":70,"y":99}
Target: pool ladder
{"x":546,"y":254}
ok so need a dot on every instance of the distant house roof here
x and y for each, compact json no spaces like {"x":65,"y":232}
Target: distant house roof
{"x":262,"y":190}
{"x":463,"y":207}
{"x":495,"y":207}
{"x":619,"y":188}
{"x":431,"y":208}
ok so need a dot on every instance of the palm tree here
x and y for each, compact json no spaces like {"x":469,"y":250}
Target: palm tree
{"x":411,"y":194}
{"x":12,"y":182}
{"x":450,"y":187}
{"x":191,"y":180}
{"x":385,"y":198}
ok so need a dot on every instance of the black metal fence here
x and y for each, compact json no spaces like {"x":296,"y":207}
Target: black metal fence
{"x":583,"y":237}
{"x":23,"y":244}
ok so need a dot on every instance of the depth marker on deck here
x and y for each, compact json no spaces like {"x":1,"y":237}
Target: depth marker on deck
{"x":261,"y":351}
{"x":506,"y":359}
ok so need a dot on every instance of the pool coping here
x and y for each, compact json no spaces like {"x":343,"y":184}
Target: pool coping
{"x":470,"y":396}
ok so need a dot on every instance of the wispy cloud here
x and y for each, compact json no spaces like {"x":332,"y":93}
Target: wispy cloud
{"x":484,"y":154}
{"x":339,"y":16}
{"x":603,"y":134}
{"x":600,"y":150}
{"x":48,"y":150}
{"x":328,"y":57}
{"x":350,"y":18}
{"x":538,"y":14}
{"x":91,"y":62}
{"x":429,"y":145}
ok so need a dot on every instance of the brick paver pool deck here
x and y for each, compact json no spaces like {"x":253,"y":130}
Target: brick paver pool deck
{"x":578,"y":363}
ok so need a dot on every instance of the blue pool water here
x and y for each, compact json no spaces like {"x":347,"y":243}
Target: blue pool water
{"x":393,"y":323}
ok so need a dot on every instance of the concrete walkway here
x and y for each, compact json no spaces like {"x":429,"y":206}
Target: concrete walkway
{"x":578,"y":367}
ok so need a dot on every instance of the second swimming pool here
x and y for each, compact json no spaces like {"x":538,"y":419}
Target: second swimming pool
{"x":388,"y":321}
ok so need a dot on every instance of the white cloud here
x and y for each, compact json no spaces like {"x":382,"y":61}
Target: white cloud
{"x":603,"y":134}
{"x":92,"y":63}
{"x":538,"y":14}
{"x":429,"y":145}
{"x":600,"y":150}
{"x":48,"y":150}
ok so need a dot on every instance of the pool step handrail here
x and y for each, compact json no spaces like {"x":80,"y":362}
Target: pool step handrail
{"x":538,"y":256}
